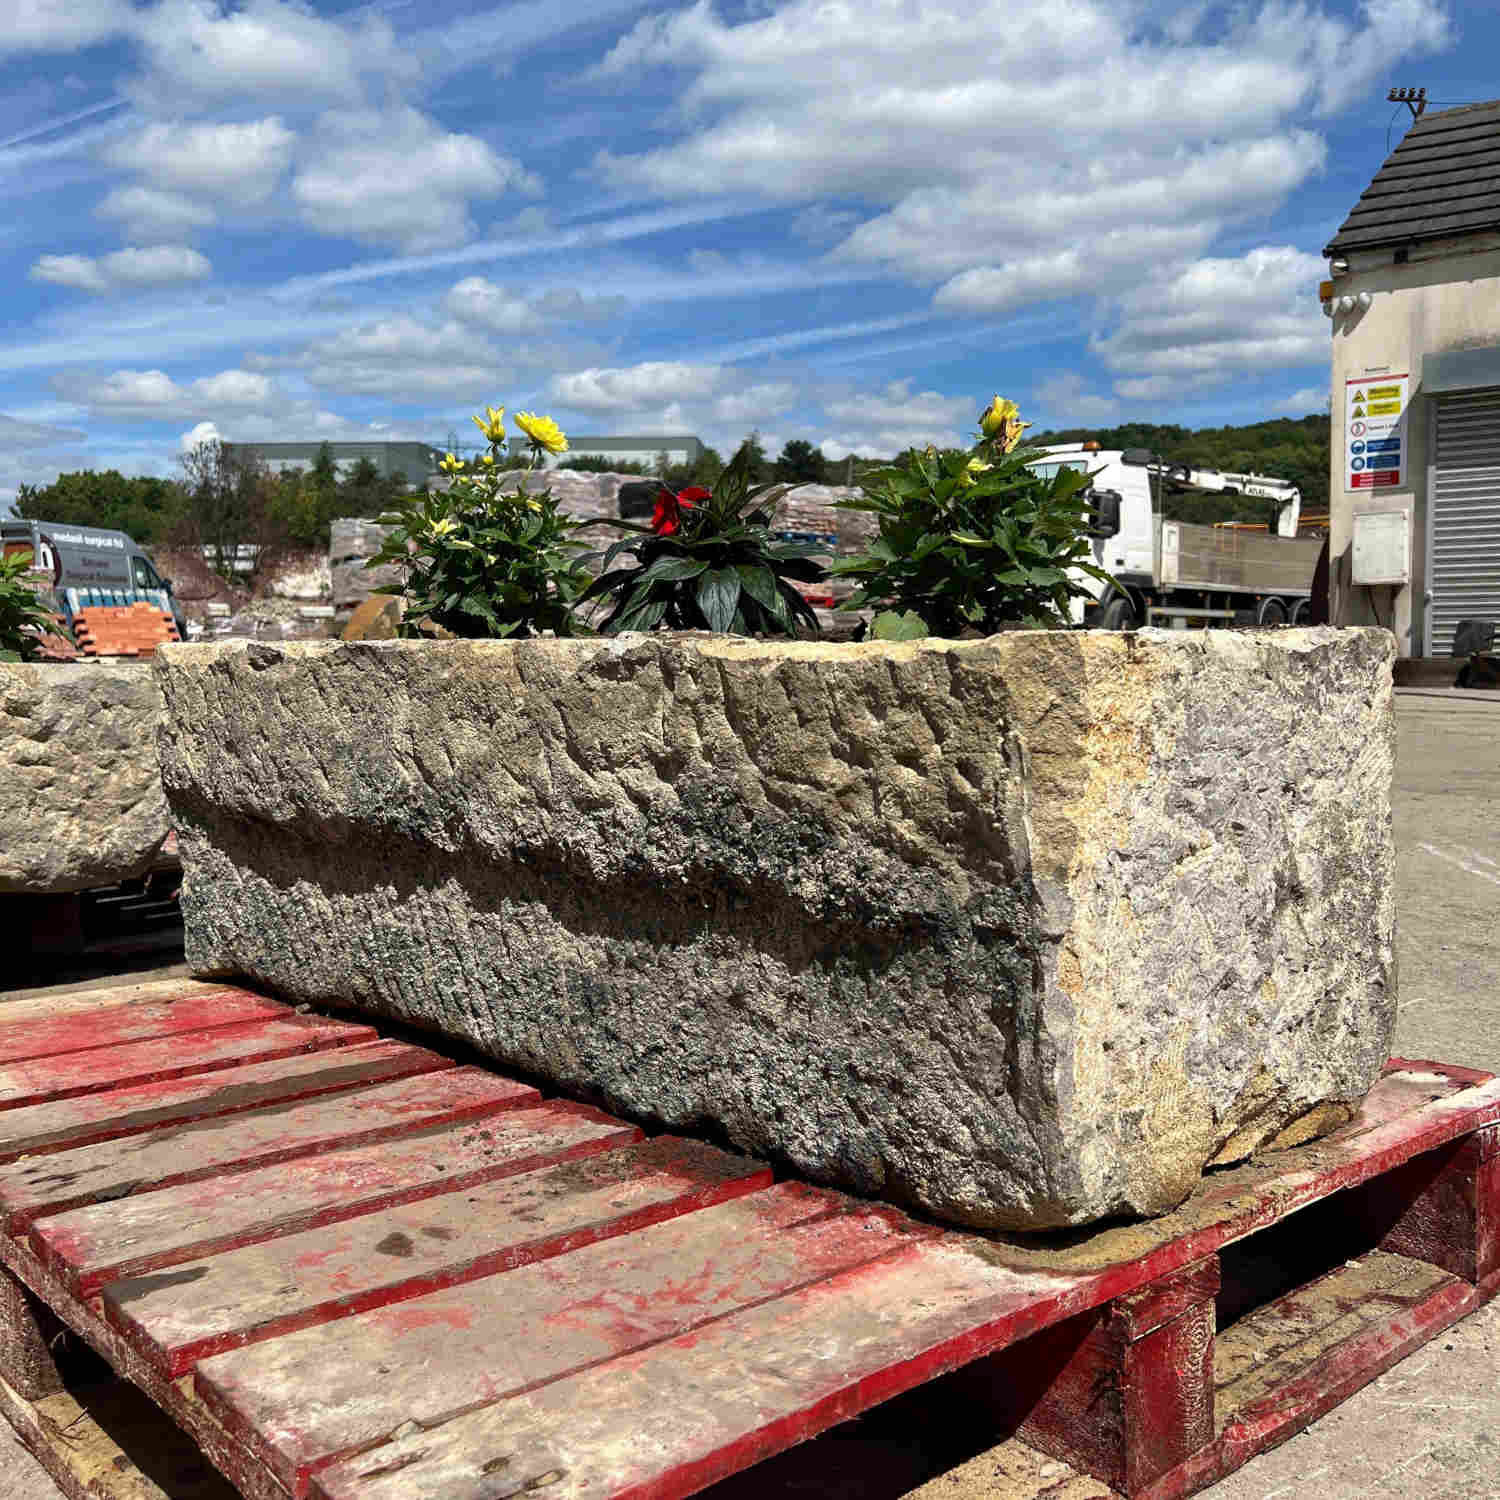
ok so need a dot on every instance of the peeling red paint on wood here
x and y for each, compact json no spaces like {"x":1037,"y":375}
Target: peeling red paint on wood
{"x":89,"y":1118}
{"x":222,"y":1146}
{"x":149,"y":1231}
{"x":41,"y":1079}
{"x":135,"y":1021}
{"x":665,"y":1318}
{"x":297,"y":1281}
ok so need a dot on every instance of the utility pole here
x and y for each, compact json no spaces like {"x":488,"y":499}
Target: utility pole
{"x":1414,"y":99}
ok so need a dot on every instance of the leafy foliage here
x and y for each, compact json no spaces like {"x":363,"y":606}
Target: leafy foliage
{"x":703,"y":472}
{"x":973,"y":540}
{"x":146,"y":508}
{"x":708,"y":561}
{"x":24,"y":618}
{"x":802,"y":463}
{"x":602,"y":463}
{"x":484,"y":558}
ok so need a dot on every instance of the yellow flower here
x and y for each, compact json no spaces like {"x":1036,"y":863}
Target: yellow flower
{"x":973,"y":467}
{"x":443,"y":527}
{"x":488,"y":460}
{"x":492,"y":424}
{"x":451,"y":465}
{"x":543,"y":432}
{"x":1001,"y":420}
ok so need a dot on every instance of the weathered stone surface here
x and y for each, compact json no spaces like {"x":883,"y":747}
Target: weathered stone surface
{"x":1024,"y":931}
{"x":80,"y":794}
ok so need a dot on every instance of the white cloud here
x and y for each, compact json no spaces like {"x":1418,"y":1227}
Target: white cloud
{"x":243,"y":161}
{"x":880,"y":424}
{"x":1215,"y":318}
{"x":1022,"y":150}
{"x":490,"y":306}
{"x":397,"y":177}
{"x":154,"y":394}
{"x":199,"y":52}
{"x":60,"y":25}
{"x":402,"y":359}
{"x":1061,"y":400}
{"x":148,"y":213}
{"x":636,"y":387}
{"x":124,"y":270}
{"x":1309,"y":401}
{"x":15,"y":434}
{"x":203,"y":432}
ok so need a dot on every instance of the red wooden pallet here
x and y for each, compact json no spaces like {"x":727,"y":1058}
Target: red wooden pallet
{"x":365,"y":1273}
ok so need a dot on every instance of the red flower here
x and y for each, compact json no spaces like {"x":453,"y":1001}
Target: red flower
{"x":667,"y":516}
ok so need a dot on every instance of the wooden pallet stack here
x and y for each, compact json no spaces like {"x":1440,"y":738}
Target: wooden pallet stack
{"x":352,"y":1269}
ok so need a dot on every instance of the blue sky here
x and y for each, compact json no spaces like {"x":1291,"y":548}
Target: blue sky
{"x":845,"y":222}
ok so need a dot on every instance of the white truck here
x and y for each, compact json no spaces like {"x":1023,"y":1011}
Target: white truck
{"x":1180,"y":573}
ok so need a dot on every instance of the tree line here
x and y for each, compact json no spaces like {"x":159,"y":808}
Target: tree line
{"x":222,"y":500}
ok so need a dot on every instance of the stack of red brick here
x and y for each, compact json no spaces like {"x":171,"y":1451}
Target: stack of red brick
{"x":122,"y":629}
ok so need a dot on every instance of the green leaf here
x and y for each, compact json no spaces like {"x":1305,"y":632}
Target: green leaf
{"x":890,"y":626}
{"x":670,"y":569}
{"x":644,"y":616}
{"x":718,"y":594}
{"x":760,"y":583}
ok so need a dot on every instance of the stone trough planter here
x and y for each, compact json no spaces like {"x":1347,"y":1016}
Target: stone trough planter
{"x":1022,"y":932}
{"x":81,"y":803}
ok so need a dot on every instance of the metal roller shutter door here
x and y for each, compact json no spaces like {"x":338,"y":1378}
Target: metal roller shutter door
{"x":1463,"y":563}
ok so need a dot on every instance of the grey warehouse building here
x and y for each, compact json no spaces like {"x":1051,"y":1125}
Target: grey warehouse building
{"x":417,"y":461}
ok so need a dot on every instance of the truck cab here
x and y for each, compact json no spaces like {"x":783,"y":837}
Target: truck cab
{"x":1179,"y":572}
{"x":90,"y":560}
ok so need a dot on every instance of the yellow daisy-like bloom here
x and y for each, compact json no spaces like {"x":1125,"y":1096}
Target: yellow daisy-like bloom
{"x":1001,"y":420}
{"x":443,"y":527}
{"x":973,"y":467}
{"x":543,"y":432}
{"x":450,"y":465}
{"x":492,"y":424}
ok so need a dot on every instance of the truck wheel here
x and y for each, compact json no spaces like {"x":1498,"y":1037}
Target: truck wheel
{"x":1302,"y":612}
{"x":1118,"y":614}
{"x":1271,"y":612}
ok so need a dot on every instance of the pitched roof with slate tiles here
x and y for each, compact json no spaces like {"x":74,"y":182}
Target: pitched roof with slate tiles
{"x":1442,"y":180}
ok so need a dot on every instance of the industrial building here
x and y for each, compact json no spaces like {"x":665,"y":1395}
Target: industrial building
{"x":1414,"y":296}
{"x":417,"y":461}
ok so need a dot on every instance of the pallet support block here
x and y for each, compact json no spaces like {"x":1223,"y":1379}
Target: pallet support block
{"x":1444,"y":1207}
{"x":1128,"y":1389}
{"x":28,"y":1332}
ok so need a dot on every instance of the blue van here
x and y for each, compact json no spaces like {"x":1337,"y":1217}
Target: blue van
{"x":90,"y":565}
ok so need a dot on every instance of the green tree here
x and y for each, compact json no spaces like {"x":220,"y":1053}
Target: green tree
{"x":704,"y":470}
{"x":146,"y":508}
{"x":599,"y":463}
{"x":230,"y":505}
{"x":801,"y":463}
{"x":754,"y":450}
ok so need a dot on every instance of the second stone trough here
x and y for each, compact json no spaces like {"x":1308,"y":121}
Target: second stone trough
{"x":1022,"y":932}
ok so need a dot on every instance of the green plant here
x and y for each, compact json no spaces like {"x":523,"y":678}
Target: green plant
{"x":482,"y":560}
{"x":973,"y":539}
{"x":24,"y":618}
{"x":708,"y":561}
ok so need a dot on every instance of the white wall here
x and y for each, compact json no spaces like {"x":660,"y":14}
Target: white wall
{"x":1447,"y":297}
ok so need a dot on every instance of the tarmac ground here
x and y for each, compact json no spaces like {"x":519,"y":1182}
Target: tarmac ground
{"x":1428,"y":1428}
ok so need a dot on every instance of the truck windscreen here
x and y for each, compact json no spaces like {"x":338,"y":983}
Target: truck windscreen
{"x":1048,"y":468}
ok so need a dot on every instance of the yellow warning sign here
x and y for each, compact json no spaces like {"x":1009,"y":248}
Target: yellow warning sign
{"x":1375,"y":392}
{"x":1384,"y":408}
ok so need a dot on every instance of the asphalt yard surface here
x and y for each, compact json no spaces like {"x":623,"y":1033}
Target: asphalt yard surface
{"x":1430,"y":1427}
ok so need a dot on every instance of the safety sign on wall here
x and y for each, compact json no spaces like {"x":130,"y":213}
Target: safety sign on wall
{"x":1375,"y":432}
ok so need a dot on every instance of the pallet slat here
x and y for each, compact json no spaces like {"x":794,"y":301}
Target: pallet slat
{"x":130,"y":1236}
{"x":277,"y":1286}
{"x":89,"y":1118}
{"x":304,"y":1400}
{"x":83,"y":1031}
{"x":40,"y":1079}
{"x":32,"y":1187}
